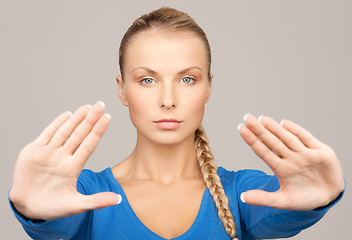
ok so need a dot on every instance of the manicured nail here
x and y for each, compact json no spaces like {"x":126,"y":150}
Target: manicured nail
{"x":69,"y":112}
{"x":282,"y":122}
{"x":102,"y":103}
{"x":89,"y":106}
{"x":260,"y":118}
{"x":246,"y":115}
{"x":242,"y":197}
{"x":239,"y":126}
{"x":119,"y":199}
{"x":107,"y":115}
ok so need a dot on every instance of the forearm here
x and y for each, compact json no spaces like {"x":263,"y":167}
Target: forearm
{"x":61,"y":228}
{"x":284,"y":223}
{"x":262,"y":222}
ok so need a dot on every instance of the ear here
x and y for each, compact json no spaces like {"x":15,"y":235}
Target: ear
{"x":209,"y":91}
{"x":122,"y":94}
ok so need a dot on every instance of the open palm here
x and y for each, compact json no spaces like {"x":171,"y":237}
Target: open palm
{"x":308,"y":170}
{"x":46,"y":172}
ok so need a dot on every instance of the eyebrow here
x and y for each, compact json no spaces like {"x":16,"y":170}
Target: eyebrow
{"x":155,"y":73}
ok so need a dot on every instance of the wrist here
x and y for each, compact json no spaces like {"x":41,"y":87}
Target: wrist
{"x":20,"y":211}
{"x":19,"y":205}
{"x":336,"y":198}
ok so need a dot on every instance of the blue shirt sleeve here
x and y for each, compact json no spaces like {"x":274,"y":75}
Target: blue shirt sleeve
{"x":260,"y":222}
{"x":61,"y":228}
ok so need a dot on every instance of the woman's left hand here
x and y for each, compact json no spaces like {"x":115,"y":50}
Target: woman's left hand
{"x":308,"y":170}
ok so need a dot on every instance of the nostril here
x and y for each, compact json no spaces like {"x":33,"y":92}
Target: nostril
{"x":168,"y":105}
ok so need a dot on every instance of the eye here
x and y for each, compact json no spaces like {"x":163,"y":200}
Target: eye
{"x":147,"y":81}
{"x":187,"y":79}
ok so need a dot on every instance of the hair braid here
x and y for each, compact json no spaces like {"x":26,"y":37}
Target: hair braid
{"x":212,"y":180}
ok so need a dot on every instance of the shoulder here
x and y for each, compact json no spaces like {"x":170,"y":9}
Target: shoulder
{"x":246,"y":179}
{"x":231,"y":176}
{"x":90,"y":182}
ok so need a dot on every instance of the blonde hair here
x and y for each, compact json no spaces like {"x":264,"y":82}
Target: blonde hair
{"x":212,"y":180}
{"x":162,"y":18}
{"x":172,"y":20}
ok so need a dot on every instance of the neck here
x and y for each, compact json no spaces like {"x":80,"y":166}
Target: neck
{"x":164,"y":163}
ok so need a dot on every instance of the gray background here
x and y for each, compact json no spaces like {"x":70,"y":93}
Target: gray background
{"x":286,"y":59}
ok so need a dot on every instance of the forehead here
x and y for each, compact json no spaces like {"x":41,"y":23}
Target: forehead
{"x":164,"y":49}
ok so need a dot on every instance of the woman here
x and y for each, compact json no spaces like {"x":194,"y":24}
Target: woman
{"x":169,"y":186}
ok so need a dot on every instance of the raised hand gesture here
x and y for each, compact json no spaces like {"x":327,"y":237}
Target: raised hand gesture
{"x":308,"y":170}
{"x":46,"y":171}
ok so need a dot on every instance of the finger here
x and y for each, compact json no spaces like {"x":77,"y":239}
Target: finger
{"x":260,"y":149}
{"x":89,"y":144}
{"x":268,"y":138}
{"x":83,"y":129}
{"x":50,"y":130}
{"x":78,"y":203}
{"x":290,"y":140}
{"x":306,"y":137}
{"x":263,"y":198}
{"x":67,"y":128}
{"x":99,"y":200}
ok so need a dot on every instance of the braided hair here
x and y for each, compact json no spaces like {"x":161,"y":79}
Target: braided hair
{"x":212,"y":180}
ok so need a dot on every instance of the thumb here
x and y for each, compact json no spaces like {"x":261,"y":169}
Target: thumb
{"x":100,"y":200}
{"x":263,"y":198}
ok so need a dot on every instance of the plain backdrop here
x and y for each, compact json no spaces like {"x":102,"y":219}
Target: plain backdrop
{"x":286,"y":59}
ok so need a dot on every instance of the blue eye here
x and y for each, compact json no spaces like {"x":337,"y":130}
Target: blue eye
{"x":147,"y":81}
{"x":187,"y":79}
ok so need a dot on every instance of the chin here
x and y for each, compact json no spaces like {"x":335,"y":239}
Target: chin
{"x":169,"y":137}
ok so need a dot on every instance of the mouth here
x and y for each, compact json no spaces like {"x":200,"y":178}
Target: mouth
{"x":168,"y":124}
{"x":168,"y":120}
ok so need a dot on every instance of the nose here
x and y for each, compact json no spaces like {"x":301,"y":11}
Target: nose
{"x":168,"y":96}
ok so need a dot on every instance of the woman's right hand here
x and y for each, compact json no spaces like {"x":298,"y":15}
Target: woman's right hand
{"x":46,"y":171}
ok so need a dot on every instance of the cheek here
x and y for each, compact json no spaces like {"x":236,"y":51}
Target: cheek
{"x":195,"y":104}
{"x":138,"y":105}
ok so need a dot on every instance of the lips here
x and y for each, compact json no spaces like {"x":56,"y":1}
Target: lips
{"x":168,"y":124}
{"x":167,"y":120}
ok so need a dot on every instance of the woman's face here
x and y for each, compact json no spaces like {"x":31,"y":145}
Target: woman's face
{"x":166,"y":84}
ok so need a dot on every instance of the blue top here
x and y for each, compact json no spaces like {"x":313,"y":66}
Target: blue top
{"x":120,"y":222}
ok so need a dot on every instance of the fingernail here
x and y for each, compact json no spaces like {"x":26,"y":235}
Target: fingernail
{"x":260,"y":118}
{"x":102,"y":103}
{"x":246,"y":115}
{"x":239,"y":126}
{"x":119,"y":199}
{"x":107,"y":115}
{"x":89,"y":106}
{"x":242,"y":197}
{"x":282,"y":122}
{"x":69,"y":112}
